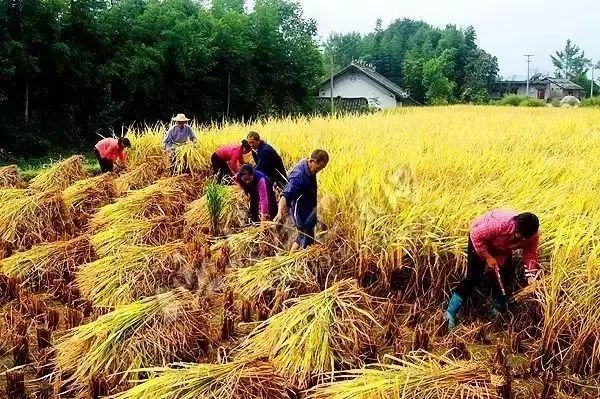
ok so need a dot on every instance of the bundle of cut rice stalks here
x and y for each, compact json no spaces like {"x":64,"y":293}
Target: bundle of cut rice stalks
{"x":155,"y":231}
{"x":192,"y":158}
{"x":415,"y":377}
{"x":157,"y":200}
{"x":60,"y":175}
{"x":34,"y":219}
{"x":219,"y":211}
{"x":133,"y":273}
{"x":316,"y":335}
{"x":86,"y":196}
{"x":279,"y":277}
{"x":10,"y":177}
{"x":147,"y":148}
{"x":235,"y":380}
{"x":9,"y":194}
{"x":254,"y":242}
{"x":41,"y":267}
{"x":139,"y":177}
{"x":155,"y":331}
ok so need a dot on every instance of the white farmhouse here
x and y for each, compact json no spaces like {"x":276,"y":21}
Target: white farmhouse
{"x":361,"y":81}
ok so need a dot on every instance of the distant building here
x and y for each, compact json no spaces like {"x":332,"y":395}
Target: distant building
{"x":362,"y":81}
{"x":540,"y":86}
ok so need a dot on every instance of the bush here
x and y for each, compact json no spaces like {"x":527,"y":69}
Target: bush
{"x":512,"y":99}
{"x":532,"y":102}
{"x":591,"y":102}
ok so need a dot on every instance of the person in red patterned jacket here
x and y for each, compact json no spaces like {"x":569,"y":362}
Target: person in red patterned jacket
{"x":492,"y":240}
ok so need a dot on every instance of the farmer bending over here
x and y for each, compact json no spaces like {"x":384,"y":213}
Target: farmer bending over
{"x":179,"y":134}
{"x":267,"y":160}
{"x":226,"y":161}
{"x":110,"y":152}
{"x":492,"y":240}
{"x":258,"y":187}
{"x":300,"y":195}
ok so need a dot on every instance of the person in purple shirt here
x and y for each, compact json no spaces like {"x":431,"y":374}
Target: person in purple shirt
{"x":177,"y":135}
{"x":259,"y":189}
{"x":300,"y":196}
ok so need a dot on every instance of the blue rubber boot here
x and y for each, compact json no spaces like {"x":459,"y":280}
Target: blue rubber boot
{"x":453,"y":307}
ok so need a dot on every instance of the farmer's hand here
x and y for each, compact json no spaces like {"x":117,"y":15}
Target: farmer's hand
{"x":491,"y":263}
{"x":531,"y":276}
{"x":279,"y":218}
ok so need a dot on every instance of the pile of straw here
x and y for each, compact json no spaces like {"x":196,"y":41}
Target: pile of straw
{"x":10,"y":177}
{"x":235,"y":380}
{"x":157,"y":200}
{"x":34,"y":219}
{"x":43,"y":266}
{"x":86,"y":196}
{"x":155,"y":231}
{"x":316,"y":334}
{"x":60,"y":175}
{"x":415,"y":377}
{"x":255,"y":242}
{"x":139,"y":177}
{"x":133,"y":273}
{"x":155,"y":331}
{"x":9,"y":194}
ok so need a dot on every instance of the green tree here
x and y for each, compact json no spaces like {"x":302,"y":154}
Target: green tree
{"x":570,"y":61}
{"x":439,"y":87}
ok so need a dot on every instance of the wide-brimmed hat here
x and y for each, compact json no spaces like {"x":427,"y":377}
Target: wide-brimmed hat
{"x":180,"y":118}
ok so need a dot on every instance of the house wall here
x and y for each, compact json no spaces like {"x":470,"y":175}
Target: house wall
{"x":352,"y":85}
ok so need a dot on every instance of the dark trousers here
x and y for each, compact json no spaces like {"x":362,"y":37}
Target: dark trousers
{"x":106,"y":165}
{"x":477,"y":275}
{"x":220,"y":168}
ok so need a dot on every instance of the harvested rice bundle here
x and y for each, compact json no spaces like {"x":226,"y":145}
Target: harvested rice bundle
{"x":9,"y":194}
{"x":155,"y":231}
{"x":284,"y":275}
{"x":139,"y":177}
{"x":220,"y":210}
{"x":155,"y":331}
{"x":192,"y":158}
{"x":191,"y":186}
{"x":133,"y":273}
{"x":415,"y":377}
{"x":10,"y":177}
{"x":40,"y":267}
{"x":316,"y":334}
{"x":253,"y":242}
{"x":235,"y":380}
{"x":86,"y":196}
{"x":60,"y":175}
{"x":157,"y":200}
{"x":34,"y":219}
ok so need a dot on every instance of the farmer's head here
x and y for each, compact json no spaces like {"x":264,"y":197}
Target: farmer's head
{"x":246,"y":174}
{"x":318,"y":161}
{"x":181,"y":120}
{"x":246,"y":147}
{"x":527,"y":225}
{"x":253,"y":139}
{"x":124,"y":142}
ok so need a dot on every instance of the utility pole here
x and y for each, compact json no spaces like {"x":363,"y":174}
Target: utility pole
{"x":331,"y":83}
{"x":528,"y":65}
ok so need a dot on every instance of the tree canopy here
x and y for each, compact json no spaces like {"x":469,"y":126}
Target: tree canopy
{"x":73,"y":68}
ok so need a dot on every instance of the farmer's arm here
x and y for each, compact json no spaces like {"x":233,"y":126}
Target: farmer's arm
{"x":263,"y":200}
{"x":169,"y":140}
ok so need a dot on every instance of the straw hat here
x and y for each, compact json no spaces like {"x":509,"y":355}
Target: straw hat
{"x":180,"y":118}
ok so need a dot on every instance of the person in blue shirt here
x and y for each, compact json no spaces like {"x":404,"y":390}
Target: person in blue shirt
{"x":267,"y":160}
{"x":300,"y":198}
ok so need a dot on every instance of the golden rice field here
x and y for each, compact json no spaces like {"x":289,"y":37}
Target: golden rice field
{"x":149,"y":286}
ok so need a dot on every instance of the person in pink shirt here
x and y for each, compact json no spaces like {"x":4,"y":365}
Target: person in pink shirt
{"x":110,"y":152}
{"x":259,"y":189}
{"x":492,"y":240}
{"x":227,"y":160}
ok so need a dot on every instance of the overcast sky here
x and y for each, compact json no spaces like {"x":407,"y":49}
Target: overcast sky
{"x":505,"y":28}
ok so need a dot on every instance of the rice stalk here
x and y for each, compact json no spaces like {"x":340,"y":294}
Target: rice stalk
{"x":60,"y":175}
{"x":147,"y":148}
{"x":136,"y":178}
{"x":133,"y":273}
{"x":154,"y":331}
{"x":155,"y":231}
{"x":235,"y":380}
{"x":9,"y":194}
{"x":252,"y":242}
{"x":414,"y":377}
{"x":218,"y":211}
{"x":10,"y":177}
{"x":193,"y":158}
{"x":40,"y":267}
{"x":85,"y":197}
{"x":316,"y":335}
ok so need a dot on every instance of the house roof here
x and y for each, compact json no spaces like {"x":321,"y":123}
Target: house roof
{"x":374,"y":76}
{"x":537,"y":80}
{"x":565,"y":84}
